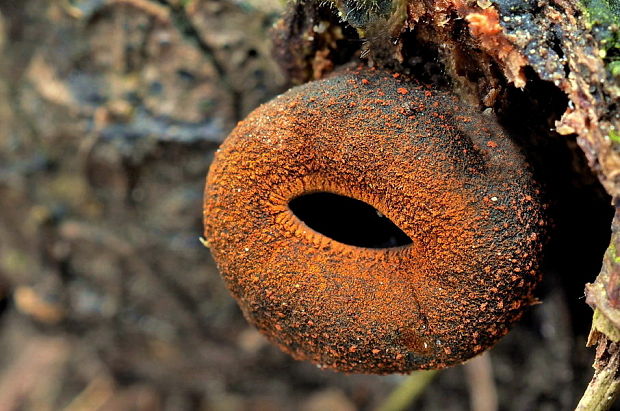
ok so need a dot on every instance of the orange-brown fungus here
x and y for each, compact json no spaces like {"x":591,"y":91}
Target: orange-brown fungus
{"x":446,"y":175}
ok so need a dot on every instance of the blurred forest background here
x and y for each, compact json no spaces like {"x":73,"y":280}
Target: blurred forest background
{"x":110,"y":111}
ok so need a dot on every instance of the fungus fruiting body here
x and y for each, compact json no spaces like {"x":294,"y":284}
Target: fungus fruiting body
{"x":444,"y":174}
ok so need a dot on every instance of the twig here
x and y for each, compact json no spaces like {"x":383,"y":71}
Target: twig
{"x":38,"y":364}
{"x":408,"y":391}
{"x":604,"y":297}
{"x":96,"y":393}
{"x":482,"y":391}
{"x":605,"y":384}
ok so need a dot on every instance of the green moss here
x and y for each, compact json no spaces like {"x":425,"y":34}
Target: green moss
{"x":603,"y":325}
{"x":614,"y":68}
{"x":602,"y":12}
{"x":613,"y":134}
{"x":604,"y":20}
{"x":612,"y":252}
{"x":361,"y":13}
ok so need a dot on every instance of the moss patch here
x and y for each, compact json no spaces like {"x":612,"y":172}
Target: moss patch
{"x":604,"y":19}
{"x":361,"y":13}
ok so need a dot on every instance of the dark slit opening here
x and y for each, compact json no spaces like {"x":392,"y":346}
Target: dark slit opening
{"x":347,"y":220}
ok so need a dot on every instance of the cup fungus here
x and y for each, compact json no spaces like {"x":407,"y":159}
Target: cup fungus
{"x":439,"y":282}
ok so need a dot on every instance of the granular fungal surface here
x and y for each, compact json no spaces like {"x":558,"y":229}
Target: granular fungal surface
{"x":446,"y":175}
